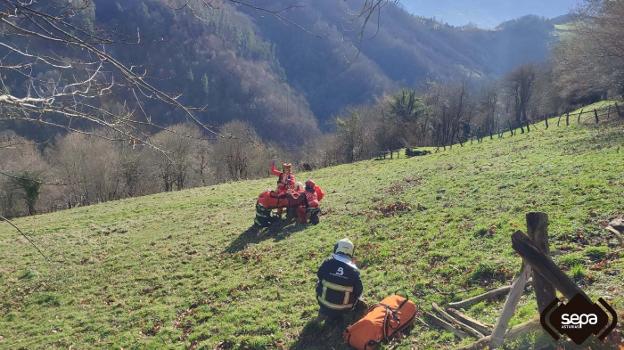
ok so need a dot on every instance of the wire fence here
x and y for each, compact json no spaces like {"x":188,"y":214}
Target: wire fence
{"x":592,"y":115}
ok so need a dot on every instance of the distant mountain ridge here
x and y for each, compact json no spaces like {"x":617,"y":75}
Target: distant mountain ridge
{"x":404,"y":51}
{"x":486,"y":14}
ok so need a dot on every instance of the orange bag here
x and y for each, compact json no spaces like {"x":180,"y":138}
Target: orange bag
{"x":384,"y":320}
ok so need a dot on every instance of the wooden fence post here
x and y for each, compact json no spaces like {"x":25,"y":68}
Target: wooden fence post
{"x":617,"y":108}
{"x":544,"y":266}
{"x":546,"y":120}
{"x":578,"y":118}
{"x":568,"y":119}
{"x":596,"y":115}
{"x":537,"y":228}
{"x":559,"y":120}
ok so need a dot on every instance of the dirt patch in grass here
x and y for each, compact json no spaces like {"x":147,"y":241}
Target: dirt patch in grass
{"x":396,"y":208}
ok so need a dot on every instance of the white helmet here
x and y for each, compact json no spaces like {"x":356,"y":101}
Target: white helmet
{"x":299,"y":186}
{"x":344,"y":246}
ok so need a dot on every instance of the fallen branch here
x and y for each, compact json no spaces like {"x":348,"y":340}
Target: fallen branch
{"x":440,"y":323}
{"x":616,"y":233}
{"x":477,"y":325}
{"x":514,"y":333}
{"x":2,"y":218}
{"x":466,"y":328}
{"x":491,"y":295}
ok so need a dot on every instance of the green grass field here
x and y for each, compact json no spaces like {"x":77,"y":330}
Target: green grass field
{"x":180,"y":270}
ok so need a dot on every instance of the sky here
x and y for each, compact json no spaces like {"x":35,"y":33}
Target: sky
{"x":486,"y":13}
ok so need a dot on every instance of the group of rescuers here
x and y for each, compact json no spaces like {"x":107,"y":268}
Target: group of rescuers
{"x":339,"y":287}
{"x":287,"y":185}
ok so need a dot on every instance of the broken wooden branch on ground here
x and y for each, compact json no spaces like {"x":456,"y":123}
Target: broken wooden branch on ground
{"x":616,"y":233}
{"x":440,"y":323}
{"x":513,"y":333}
{"x":466,"y":328}
{"x":485,"y":329}
{"x":490,"y":295}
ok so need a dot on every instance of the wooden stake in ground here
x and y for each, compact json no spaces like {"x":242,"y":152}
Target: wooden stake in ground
{"x":578,"y":119}
{"x":543,"y":265}
{"x":568,"y":119}
{"x":537,"y":227}
{"x":498,"y":335}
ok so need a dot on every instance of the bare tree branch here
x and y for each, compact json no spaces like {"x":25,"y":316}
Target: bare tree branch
{"x":2,"y":218}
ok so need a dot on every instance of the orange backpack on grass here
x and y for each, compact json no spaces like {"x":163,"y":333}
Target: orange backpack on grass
{"x":384,"y":320}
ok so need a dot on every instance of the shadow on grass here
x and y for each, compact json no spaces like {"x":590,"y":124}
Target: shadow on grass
{"x":611,"y":138}
{"x":327,"y":334}
{"x":278,"y":231}
{"x":321,"y":335}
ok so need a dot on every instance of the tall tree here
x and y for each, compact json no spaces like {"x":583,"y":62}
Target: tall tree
{"x":520,"y":86}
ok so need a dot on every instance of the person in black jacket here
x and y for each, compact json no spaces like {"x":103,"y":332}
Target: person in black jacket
{"x":339,"y":287}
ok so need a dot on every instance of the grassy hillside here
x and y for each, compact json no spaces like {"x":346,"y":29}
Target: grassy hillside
{"x":183,"y":269}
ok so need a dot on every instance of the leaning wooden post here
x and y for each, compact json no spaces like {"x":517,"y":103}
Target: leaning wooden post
{"x":596,"y":115}
{"x":544,"y":265}
{"x":546,"y":120}
{"x":559,"y":120}
{"x":513,"y":298}
{"x":537,"y":227}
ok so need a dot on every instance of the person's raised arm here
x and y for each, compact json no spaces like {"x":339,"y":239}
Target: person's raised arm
{"x":274,"y":170}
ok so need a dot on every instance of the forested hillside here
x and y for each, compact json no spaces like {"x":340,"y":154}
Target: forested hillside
{"x":290,"y":73}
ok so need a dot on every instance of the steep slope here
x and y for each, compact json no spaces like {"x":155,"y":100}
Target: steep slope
{"x":214,"y":59}
{"x":183,"y":269}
